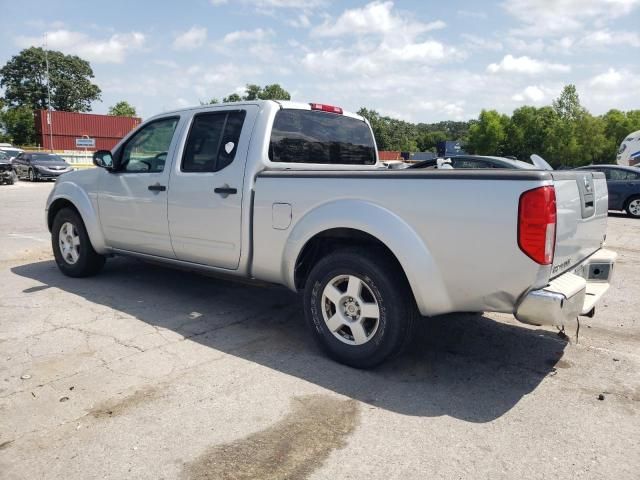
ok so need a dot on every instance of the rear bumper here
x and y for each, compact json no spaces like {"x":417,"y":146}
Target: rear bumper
{"x":571,"y":294}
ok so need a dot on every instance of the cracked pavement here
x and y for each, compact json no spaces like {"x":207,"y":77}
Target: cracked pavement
{"x":147,"y":372}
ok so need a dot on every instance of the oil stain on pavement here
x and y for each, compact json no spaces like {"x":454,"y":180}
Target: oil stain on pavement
{"x":292,"y":448}
{"x":113,"y":408}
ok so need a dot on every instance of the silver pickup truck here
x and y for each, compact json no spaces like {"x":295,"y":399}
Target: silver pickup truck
{"x":294,"y":194}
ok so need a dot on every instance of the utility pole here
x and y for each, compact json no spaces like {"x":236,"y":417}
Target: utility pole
{"x":49,"y":117}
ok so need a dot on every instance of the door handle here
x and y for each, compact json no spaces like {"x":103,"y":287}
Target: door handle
{"x":226,"y":190}
{"x":157,"y":188}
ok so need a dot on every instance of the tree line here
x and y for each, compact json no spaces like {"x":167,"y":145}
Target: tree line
{"x":564,"y":133}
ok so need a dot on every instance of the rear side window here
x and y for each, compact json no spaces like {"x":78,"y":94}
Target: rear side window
{"x":309,"y":136}
{"x":615,"y":174}
{"x":212,"y":141}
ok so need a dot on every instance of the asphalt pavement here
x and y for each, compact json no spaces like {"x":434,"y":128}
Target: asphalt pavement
{"x":151,"y":373}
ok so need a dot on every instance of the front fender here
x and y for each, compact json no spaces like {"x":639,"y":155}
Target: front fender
{"x":414,"y":256}
{"x":87,"y":208}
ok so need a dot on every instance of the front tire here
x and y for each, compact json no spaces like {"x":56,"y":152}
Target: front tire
{"x":72,"y":248}
{"x":32,"y":176}
{"x":359,"y":308}
{"x":633,"y":207}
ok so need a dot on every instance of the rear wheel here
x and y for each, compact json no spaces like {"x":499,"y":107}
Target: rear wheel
{"x":359,"y":307}
{"x":633,"y":207}
{"x":72,"y":248}
{"x":12,"y":178}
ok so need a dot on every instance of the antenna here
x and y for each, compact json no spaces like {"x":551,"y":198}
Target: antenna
{"x":49,"y":117}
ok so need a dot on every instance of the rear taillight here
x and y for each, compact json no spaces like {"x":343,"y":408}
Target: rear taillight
{"x":537,"y":224}
{"x":326,"y":108}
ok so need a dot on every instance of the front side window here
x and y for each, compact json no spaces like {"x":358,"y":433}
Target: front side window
{"x":309,"y":136}
{"x":146,"y":151}
{"x":213,"y":141}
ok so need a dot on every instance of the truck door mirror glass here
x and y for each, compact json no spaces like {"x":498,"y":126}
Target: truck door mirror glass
{"x":103,"y":159}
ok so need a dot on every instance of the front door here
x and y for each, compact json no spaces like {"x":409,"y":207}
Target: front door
{"x":205,"y":189}
{"x":133,"y":199}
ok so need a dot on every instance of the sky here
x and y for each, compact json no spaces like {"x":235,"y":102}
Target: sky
{"x":421,"y":61}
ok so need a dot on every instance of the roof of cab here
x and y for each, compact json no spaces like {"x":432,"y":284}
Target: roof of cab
{"x":282,"y":103}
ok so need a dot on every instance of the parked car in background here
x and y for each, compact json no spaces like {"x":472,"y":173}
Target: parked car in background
{"x":11,"y":151}
{"x":629,"y":151}
{"x":7,"y":174}
{"x":624,"y":187}
{"x":36,"y":166}
{"x":477,"y":161}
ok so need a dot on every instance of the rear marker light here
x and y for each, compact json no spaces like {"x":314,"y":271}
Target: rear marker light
{"x":326,"y":108}
{"x":537,"y":220}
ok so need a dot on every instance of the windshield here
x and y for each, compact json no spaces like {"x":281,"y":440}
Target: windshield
{"x":10,"y":152}
{"x":46,"y":157}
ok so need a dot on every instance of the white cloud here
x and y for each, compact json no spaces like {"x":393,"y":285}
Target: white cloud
{"x":605,"y":38}
{"x":479,"y":43}
{"x":610,"y":78}
{"x":532,"y":93}
{"x":553,"y":17}
{"x":526,"y":65}
{"x":473,"y":14}
{"x":191,"y":39}
{"x":246,"y":35}
{"x":112,"y":50}
{"x":301,"y":21}
{"x":271,"y":4}
{"x":375,"y":17}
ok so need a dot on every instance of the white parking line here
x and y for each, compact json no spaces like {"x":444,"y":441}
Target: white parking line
{"x":26,"y":237}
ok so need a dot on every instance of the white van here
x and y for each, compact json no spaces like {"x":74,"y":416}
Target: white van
{"x":629,"y":151}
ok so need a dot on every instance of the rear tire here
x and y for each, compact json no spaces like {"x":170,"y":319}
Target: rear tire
{"x":344,"y":322}
{"x":72,"y":248}
{"x":12,"y":178}
{"x":632,"y":206}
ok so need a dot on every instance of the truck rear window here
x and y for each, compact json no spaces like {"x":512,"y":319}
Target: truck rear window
{"x":308,"y":136}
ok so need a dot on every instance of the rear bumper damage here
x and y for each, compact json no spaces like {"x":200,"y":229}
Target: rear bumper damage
{"x":570,"y":295}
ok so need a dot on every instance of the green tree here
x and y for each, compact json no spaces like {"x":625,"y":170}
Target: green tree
{"x":567,"y":105}
{"x":428,"y":141}
{"x":256,"y":92}
{"x":273,"y":92}
{"x":212,"y":101}
{"x":234,"y":97}
{"x":23,"y":78}
{"x":19,"y":125}
{"x":122,"y":109}
{"x":252,"y":92}
{"x":487,"y":137}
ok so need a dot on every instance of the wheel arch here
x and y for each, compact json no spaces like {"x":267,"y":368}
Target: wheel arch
{"x":360,"y":223}
{"x":68,"y":195}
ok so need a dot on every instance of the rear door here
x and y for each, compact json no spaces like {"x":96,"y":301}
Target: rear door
{"x":205,"y":189}
{"x":582,"y":207}
{"x":623,"y":184}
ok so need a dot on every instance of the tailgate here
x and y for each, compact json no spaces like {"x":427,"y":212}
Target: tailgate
{"x":582,"y":206}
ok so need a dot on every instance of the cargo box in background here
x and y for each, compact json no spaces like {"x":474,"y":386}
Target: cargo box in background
{"x":65,"y":127}
{"x":450,"y":148}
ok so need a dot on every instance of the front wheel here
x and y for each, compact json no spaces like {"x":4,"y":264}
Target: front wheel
{"x":633,"y":207}
{"x":72,"y":248}
{"x":359,"y":307}
{"x":32,"y":176}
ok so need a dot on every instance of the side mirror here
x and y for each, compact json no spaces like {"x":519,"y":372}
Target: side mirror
{"x":103,"y":159}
